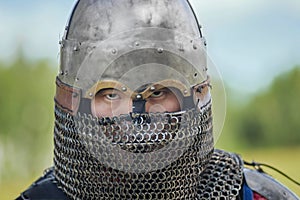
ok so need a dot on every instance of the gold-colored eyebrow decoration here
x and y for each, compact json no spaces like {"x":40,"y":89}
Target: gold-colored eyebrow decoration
{"x":147,"y":92}
{"x":107,"y":84}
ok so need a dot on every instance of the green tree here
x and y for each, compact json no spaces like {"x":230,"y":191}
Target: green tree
{"x":272,"y":117}
{"x":26,"y":117}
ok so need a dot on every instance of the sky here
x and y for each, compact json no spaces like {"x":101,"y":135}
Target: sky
{"x":250,"y":41}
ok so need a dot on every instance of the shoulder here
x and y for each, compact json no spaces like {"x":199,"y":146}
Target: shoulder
{"x":255,"y":184}
{"x":263,"y":184}
{"x":44,"y":188}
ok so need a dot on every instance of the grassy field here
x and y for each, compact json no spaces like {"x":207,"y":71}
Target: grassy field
{"x":286,"y":160}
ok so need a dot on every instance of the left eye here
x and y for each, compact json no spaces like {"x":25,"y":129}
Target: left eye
{"x":157,"y":94}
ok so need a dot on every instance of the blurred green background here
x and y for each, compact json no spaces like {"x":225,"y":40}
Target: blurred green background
{"x":265,"y":129}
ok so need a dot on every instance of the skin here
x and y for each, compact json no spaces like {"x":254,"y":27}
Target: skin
{"x":112,"y":102}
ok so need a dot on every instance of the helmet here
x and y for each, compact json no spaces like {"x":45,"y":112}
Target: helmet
{"x":133,"y":106}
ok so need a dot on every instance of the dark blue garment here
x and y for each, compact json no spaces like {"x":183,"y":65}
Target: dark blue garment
{"x":247,"y":192}
{"x":44,"y":188}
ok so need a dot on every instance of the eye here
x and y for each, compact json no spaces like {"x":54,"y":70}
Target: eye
{"x":157,"y":94}
{"x":112,"y":96}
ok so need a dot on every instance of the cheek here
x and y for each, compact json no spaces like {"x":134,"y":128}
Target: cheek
{"x":169,"y":104}
{"x":101,"y":109}
{"x":173,"y":104}
{"x":121,"y":107}
{"x":155,"y":107}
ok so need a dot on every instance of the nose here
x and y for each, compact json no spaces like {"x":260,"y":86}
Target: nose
{"x":138,"y":105}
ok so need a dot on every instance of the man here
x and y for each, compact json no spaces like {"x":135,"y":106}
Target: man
{"x":133,"y":116}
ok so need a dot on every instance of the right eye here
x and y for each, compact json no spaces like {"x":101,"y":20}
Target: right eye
{"x":112,"y":96}
{"x":109,"y":95}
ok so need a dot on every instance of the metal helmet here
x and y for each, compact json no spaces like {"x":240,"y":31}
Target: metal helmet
{"x":135,"y":49}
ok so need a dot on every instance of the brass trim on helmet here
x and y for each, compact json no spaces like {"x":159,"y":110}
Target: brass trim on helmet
{"x":107,"y":84}
{"x":169,"y":83}
{"x":145,"y":93}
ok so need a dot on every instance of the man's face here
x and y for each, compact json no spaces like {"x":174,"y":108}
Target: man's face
{"x":113,"y":102}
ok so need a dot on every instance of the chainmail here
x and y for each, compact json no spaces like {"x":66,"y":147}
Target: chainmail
{"x":222,"y":177}
{"x":150,"y":156}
